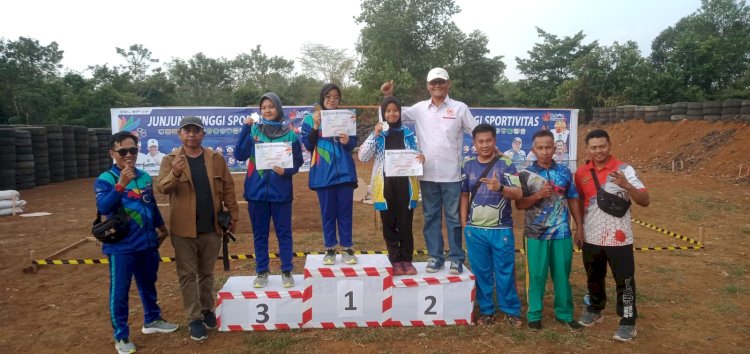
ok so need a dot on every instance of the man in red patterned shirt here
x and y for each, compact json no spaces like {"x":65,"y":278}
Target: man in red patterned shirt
{"x":608,"y":238}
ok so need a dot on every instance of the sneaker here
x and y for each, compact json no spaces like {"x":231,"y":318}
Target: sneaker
{"x":159,"y":326}
{"x":625,"y":333}
{"x":408,"y":268}
{"x":572,"y":325}
{"x":485,"y":320}
{"x":433,"y":266}
{"x":398,"y":269}
{"x":514,"y":321}
{"x":534,"y":326}
{"x":456,"y":267}
{"x":589,"y":319}
{"x":261,"y":280}
{"x":209,"y":319}
{"x":330,"y":257}
{"x":124,"y":346}
{"x":197,"y":330}
{"x":287,"y":280}
{"x":348,"y":256}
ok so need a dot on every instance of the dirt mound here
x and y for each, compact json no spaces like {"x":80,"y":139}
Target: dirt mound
{"x":716,"y":149}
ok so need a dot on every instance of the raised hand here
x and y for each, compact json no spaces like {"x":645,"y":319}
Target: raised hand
{"x":378,"y":128}
{"x":126,"y":175}
{"x":387,"y":88}
{"x":343,"y":138}
{"x":493,"y":183}
{"x":178,"y":165}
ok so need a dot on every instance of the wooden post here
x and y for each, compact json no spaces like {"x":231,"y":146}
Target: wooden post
{"x":700,"y":235}
{"x":682,"y":165}
{"x":672,"y":166}
{"x":13,"y":205}
{"x":740,"y":173}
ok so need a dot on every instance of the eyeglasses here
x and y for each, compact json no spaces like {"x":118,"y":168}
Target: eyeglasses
{"x":437,"y":82}
{"x":124,"y":152}
{"x":332,"y":98}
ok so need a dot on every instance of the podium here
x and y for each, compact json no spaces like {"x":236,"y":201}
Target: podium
{"x":241,"y":307}
{"x":365,"y":294}
{"x":432,"y":299}
{"x":343,"y":295}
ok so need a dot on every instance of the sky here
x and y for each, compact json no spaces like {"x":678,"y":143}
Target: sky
{"x":89,"y":31}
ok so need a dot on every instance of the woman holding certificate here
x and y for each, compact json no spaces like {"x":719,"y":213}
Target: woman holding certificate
{"x":395,"y":187}
{"x":332,"y":175}
{"x":274,"y":155}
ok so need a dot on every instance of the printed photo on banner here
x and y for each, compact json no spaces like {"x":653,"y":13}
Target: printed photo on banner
{"x":402,"y":163}
{"x":338,"y":121}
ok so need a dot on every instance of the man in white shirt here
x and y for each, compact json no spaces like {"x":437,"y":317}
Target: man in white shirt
{"x":440,"y":123}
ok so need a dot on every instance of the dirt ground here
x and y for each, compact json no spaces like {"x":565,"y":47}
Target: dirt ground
{"x":689,"y":300}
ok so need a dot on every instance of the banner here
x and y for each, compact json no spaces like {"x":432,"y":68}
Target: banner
{"x":516,"y":126}
{"x":158,"y":131}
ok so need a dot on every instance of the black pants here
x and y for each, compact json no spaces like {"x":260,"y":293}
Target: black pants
{"x":397,"y":220}
{"x":620,"y":260}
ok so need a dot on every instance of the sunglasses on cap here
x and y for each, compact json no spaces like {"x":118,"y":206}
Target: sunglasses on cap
{"x":124,"y":152}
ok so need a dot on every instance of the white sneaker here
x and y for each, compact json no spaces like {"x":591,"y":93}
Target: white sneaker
{"x":124,"y":346}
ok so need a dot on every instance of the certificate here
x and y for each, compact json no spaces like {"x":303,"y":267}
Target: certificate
{"x":268,"y":155}
{"x":337,"y":121}
{"x":402,"y":163}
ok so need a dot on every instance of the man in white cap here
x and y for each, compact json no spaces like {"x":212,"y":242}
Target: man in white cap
{"x":153,"y":158}
{"x":515,"y":153}
{"x":441,"y":123}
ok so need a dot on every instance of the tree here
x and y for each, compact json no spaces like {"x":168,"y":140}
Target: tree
{"x":138,"y":60}
{"x":549,"y":65}
{"x":202,"y":80}
{"x":26,"y":70}
{"x":402,"y":40}
{"x":261,"y":71}
{"x":326,"y":64}
{"x":705,"y":53}
{"x":473,"y":74}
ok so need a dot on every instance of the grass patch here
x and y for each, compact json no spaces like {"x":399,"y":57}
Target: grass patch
{"x":733,"y":289}
{"x":737,"y":270}
{"x":725,"y":308}
{"x":258,"y":342}
{"x":551,"y":336}
{"x":518,"y":335}
{"x":662,"y":270}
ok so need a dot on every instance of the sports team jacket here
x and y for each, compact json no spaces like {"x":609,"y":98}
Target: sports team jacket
{"x":139,"y":204}
{"x":331,"y":163}
{"x":266,"y":185}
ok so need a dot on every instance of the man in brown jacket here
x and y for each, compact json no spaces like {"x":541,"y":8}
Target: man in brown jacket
{"x":199,"y":185}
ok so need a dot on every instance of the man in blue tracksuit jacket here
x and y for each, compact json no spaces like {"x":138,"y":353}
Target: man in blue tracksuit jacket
{"x":124,"y":187}
{"x":269,"y":192}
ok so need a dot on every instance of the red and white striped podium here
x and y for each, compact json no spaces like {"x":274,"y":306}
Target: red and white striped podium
{"x":432,"y":299}
{"x":241,"y":307}
{"x":343,"y":295}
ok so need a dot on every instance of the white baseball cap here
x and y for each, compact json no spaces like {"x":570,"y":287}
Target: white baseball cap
{"x":153,"y":142}
{"x":437,"y":73}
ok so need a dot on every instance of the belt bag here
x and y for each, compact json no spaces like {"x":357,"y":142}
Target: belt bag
{"x":609,"y":203}
{"x":112,"y":230}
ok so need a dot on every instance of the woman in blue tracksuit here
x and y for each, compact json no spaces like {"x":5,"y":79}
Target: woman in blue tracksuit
{"x":127,"y":189}
{"x":333,"y":176}
{"x":269,"y":192}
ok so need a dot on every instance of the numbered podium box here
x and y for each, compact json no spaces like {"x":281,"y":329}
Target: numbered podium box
{"x":343,"y":295}
{"x":432,"y":299}
{"x":241,"y":307}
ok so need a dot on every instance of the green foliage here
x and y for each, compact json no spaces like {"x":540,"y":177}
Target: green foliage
{"x":550,"y":64}
{"x":705,"y":55}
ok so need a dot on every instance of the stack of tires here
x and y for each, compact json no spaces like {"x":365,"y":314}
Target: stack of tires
{"x":81,"y":143}
{"x":650,"y":114}
{"x":93,"y":147}
{"x":7,"y":159}
{"x":730,"y":109}
{"x":105,"y":161}
{"x":24,"y":160}
{"x":628,"y":112}
{"x":40,"y":148}
{"x":619,"y":113}
{"x":712,"y":110}
{"x":610,"y":114}
{"x":665,"y":112}
{"x":695,"y":111}
{"x":69,"y":153}
{"x":639,"y":112}
{"x":745,"y":110}
{"x":55,"y":153}
{"x":679,"y":110}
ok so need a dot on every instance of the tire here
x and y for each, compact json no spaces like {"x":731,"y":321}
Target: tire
{"x":679,"y":108}
{"x":24,"y":157}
